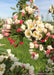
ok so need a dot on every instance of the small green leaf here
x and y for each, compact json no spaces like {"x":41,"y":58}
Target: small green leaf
{"x":14,"y":13}
{"x":13,"y":8}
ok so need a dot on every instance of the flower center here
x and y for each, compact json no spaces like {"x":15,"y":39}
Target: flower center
{"x":30,"y":26}
{"x":35,"y":34}
{"x":1,"y":69}
{"x":28,"y":33}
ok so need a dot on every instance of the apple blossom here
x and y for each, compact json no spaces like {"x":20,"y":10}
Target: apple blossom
{"x":9,"y":21}
{"x":41,"y":47}
{"x":15,"y":17}
{"x":17,"y":21}
{"x":31,"y":45}
{"x":8,"y":27}
{"x":36,"y":45}
{"x":3,"y":31}
{"x":48,"y":34}
{"x":23,"y":27}
{"x":49,"y":47}
{"x":1,"y":36}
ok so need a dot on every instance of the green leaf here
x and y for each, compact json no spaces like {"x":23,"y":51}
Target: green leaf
{"x":14,"y":13}
{"x":13,"y":8}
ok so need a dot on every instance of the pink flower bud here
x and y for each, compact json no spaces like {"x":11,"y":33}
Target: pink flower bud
{"x":8,"y":27}
{"x":23,"y":14}
{"x":34,"y":42}
{"x":6,"y":34}
{"x":46,"y":38}
{"x":15,"y":17}
{"x":52,"y":36}
{"x":48,"y":51}
{"x":3,"y":31}
{"x":33,"y":54}
{"x":21,"y":43}
{"x":15,"y":45}
{"x":48,"y":34}
{"x":43,"y":41}
{"x":19,"y":30}
{"x":21,"y":21}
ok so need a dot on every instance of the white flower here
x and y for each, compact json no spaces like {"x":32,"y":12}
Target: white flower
{"x":4,"y":26}
{"x":1,"y":36}
{"x":23,"y":10}
{"x":31,"y":70}
{"x":30,"y":24}
{"x":12,"y":67}
{"x":1,"y":58}
{"x":39,"y":29}
{"x":39,"y":23}
{"x":23,"y":27}
{"x":49,"y":47}
{"x":9,"y":51}
{"x":41,"y":47}
{"x":51,"y":28}
{"x":8,"y":26}
{"x":35,"y":34}
{"x":2,"y":68}
{"x":27,"y":8}
{"x":27,"y":22}
{"x":36,"y":56}
{"x":47,"y":25}
{"x":45,"y":30}
{"x":28,"y":33}
{"x":14,"y":59}
{"x":31,"y":45}
{"x":11,"y":55}
{"x":9,"y":21}
{"x":30,"y":10}
{"x":50,"y":61}
{"x":27,"y":66}
{"x":39,"y":37}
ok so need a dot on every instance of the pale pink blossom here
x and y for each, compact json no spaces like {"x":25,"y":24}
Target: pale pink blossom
{"x":36,"y":45}
{"x":6,"y":34}
{"x":17,"y":21}
{"x":15,"y":17}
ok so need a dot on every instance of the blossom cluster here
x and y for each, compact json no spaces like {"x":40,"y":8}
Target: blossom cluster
{"x":9,"y":57}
